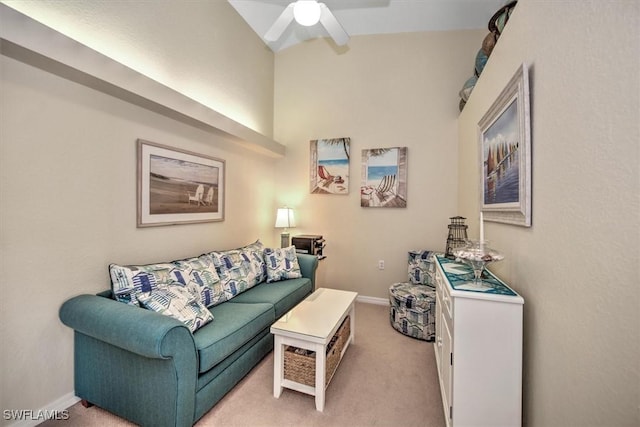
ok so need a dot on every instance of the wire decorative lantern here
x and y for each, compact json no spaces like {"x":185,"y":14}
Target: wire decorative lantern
{"x":457,"y":235}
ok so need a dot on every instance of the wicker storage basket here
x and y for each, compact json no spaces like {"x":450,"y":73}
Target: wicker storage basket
{"x":300,"y":364}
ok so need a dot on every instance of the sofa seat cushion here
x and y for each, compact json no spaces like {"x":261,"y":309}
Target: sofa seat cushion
{"x":234,"y":325}
{"x":284,"y":295}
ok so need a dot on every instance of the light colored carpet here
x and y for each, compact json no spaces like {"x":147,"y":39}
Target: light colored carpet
{"x":384,"y":379}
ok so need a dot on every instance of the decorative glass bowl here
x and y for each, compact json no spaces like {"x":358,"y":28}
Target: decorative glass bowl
{"x":477,"y":254}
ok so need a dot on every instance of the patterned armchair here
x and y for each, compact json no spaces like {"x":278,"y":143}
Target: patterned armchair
{"x":413,"y":303}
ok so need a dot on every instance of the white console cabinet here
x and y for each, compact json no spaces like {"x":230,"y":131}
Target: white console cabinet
{"x":478,"y":348}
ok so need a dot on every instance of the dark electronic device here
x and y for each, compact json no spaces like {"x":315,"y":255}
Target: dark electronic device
{"x":309,"y":244}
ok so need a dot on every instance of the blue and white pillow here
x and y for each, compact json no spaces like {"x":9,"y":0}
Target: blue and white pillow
{"x":234,"y":270}
{"x":200,"y":277}
{"x":176,"y":301}
{"x":422,"y":268}
{"x":128,"y":281}
{"x":282,"y":264}
{"x":214,"y":277}
{"x":254,"y":252}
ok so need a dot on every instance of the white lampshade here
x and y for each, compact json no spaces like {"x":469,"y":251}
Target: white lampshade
{"x":306,"y":12}
{"x":285,"y":218}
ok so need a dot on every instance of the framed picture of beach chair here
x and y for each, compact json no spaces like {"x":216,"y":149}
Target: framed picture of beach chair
{"x":329,"y":166}
{"x":505,"y":155}
{"x":384,"y":178}
{"x":177,"y":186}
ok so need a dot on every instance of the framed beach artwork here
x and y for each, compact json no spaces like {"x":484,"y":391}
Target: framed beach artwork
{"x":329,"y":166}
{"x":505,"y":151}
{"x":384,"y":178}
{"x":177,"y":186}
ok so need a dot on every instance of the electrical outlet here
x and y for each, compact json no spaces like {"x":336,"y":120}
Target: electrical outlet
{"x":381,"y":264}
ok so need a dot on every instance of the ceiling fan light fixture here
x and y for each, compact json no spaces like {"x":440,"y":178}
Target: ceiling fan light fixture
{"x":306,"y":12}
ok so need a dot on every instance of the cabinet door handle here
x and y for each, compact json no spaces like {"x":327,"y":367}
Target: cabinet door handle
{"x":439,"y":342}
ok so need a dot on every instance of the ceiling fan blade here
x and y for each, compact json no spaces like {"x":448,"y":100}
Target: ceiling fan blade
{"x":280,"y":25}
{"x":333,"y":27}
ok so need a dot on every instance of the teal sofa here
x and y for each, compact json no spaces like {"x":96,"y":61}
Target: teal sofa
{"x":152,"y":370}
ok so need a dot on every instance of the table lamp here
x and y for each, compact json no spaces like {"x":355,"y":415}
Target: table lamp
{"x":286,"y":220}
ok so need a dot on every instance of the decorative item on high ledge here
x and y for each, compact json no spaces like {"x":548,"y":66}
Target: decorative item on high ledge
{"x":285,"y":219}
{"x":496,"y":25}
{"x":457,"y":236}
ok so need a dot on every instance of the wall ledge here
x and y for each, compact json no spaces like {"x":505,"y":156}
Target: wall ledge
{"x":33,"y":43}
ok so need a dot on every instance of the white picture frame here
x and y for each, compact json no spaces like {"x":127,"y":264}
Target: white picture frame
{"x":504,"y":134}
{"x":177,"y":186}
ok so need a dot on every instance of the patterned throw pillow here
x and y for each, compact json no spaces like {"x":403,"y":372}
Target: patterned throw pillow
{"x":176,"y":301}
{"x":254,"y":253}
{"x":128,"y":281}
{"x":214,"y":277}
{"x":234,"y":270}
{"x":200,"y":277}
{"x":282,"y":264}
{"x":421,"y":267}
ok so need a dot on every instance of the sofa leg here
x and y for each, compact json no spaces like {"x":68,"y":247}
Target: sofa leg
{"x":86,"y":403}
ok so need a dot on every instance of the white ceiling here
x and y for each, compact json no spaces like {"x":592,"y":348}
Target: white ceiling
{"x":359,"y":17}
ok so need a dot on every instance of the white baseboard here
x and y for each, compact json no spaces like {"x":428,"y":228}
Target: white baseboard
{"x":372,"y":300}
{"x":31,"y":418}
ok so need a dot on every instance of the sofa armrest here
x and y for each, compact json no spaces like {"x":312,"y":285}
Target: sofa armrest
{"x":308,"y":266}
{"x":136,"y":363}
{"x":131,"y":328}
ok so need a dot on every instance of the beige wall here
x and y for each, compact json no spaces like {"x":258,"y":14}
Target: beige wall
{"x":382,"y":91}
{"x":203,"y":50}
{"x":68,"y":180}
{"x":578,"y":265}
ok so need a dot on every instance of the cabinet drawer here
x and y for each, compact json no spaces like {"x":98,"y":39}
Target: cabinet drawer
{"x":445,"y":296}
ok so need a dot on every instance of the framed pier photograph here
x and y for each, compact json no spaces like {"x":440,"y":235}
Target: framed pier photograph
{"x":505,"y":154}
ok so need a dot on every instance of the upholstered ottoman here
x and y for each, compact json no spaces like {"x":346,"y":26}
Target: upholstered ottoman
{"x":413,"y":310}
{"x":413,"y":304}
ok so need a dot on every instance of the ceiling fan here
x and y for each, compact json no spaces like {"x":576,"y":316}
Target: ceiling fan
{"x":308,"y":13}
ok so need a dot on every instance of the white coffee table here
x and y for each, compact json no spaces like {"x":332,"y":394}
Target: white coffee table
{"x":311,"y":325}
